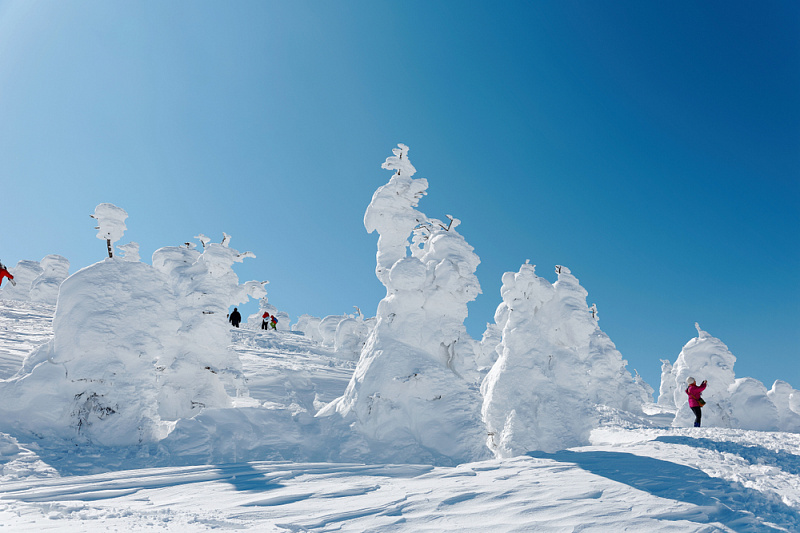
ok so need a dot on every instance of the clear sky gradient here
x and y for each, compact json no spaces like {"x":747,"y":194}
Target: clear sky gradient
{"x":651,"y":147}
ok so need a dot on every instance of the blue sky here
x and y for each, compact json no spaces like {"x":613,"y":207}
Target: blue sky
{"x":651,"y":147}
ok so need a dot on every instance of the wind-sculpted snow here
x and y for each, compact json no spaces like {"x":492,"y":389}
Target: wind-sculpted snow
{"x":413,"y":395}
{"x":731,"y":403}
{"x":555,"y":365}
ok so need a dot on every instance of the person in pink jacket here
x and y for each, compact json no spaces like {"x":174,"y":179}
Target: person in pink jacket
{"x":695,"y":401}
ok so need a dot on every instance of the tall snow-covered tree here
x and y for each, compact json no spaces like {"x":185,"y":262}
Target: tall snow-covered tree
{"x":409,"y":397}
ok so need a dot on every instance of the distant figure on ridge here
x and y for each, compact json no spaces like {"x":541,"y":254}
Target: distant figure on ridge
{"x":274,"y":322}
{"x":265,"y":320}
{"x":4,"y":273}
{"x":695,"y":401}
{"x":235,"y":317}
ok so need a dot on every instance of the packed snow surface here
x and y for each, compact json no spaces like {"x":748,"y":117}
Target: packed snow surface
{"x":636,"y":473}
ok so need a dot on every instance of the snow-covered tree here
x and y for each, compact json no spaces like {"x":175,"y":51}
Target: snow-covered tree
{"x":254,"y":320}
{"x":351,"y":336}
{"x":787,"y":401}
{"x":55,"y":270}
{"x":309,"y":326}
{"x":202,"y":371}
{"x":130,"y":251}
{"x":134,"y":348}
{"x":742,"y":403}
{"x":327,"y":329}
{"x":25,"y":273}
{"x":555,"y":366}
{"x":666,"y":392}
{"x":110,"y":224}
{"x":408,"y":397}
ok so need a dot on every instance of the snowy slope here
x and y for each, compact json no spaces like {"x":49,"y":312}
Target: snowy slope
{"x":634,"y":475}
{"x":23,"y":327}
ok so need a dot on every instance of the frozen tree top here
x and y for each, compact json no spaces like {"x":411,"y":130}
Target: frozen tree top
{"x":110,"y":222}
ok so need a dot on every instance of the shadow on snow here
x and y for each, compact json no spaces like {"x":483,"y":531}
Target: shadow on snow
{"x":754,"y":454}
{"x":730,"y":504}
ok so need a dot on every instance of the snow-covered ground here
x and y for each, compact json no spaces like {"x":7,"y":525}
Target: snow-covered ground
{"x":638,"y":473}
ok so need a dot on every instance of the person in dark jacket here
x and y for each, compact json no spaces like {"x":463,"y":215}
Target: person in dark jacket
{"x":695,"y":401}
{"x":235,"y":317}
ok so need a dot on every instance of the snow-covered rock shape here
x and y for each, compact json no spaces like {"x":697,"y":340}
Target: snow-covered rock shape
{"x":408,"y":398}
{"x":25,"y":273}
{"x":742,"y":403}
{"x":555,"y":365}
{"x":44,"y":288}
{"x":110,"y":223}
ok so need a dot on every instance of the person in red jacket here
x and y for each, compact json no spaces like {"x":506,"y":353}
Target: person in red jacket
{"x":4,"y":273}
{"x":695,"y":401}
{"x":264,"y":320}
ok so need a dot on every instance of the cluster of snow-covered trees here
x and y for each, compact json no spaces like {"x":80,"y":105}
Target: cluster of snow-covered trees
{"x":138,"y":347}
{"x":743,"y":403}
{"x":37,"y":281}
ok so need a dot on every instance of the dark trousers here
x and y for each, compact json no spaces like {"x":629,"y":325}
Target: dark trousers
{"x":698,"y":414}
